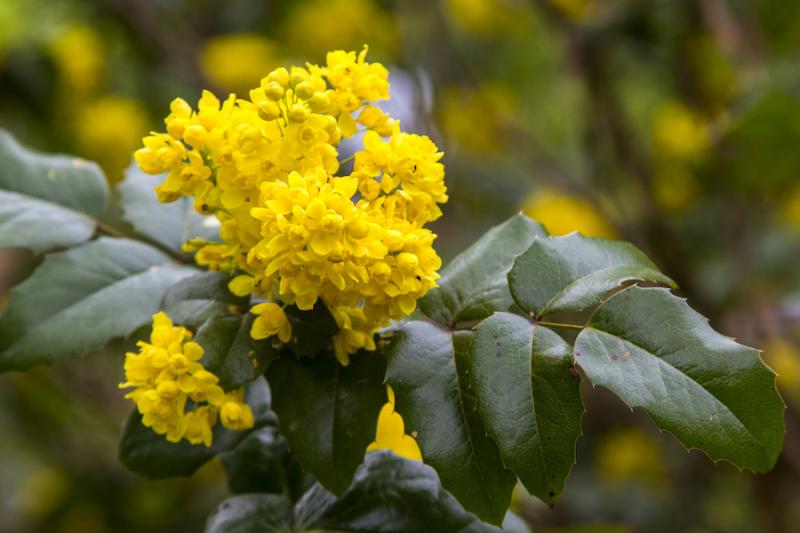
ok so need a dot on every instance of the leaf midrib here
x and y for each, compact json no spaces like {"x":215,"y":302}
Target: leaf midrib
{"x":64,"y":310}
{"x":473,"y":454}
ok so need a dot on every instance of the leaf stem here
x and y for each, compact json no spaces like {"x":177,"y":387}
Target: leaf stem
{"x":105,"y":229}
{"x":560,"y":325}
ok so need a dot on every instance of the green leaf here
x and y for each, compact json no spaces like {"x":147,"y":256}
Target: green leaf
{"x":529,"y":398}
{"x":328,"y":412}
{"x":574,"y":272}
{"x":195,"y":299}
{"x":390,"y":493}
{"x":252,"y":513}
{"x":170,"y":224}
{"x":149,"y":454}
{"x":311,"y":330}
{"x":474,"y":284}
{"x":262,"y":463}
{"x":440,"y":409}
{"x":230,"y":352}
{"x":47,"y":201}
{"x":78,"y":300}
{"x":654,"y":352}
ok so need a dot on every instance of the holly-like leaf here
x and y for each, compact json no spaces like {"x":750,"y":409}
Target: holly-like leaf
{"x":169,"y":224}
{"x":149,"y":454}
{"x":262,"y":463}
{"x":47,"y":201}
{"x":252,"y":513}
{"x":390,"y":493}
{"x":230,"y":352}
{"x":78,"y":300}
{"x":529,"y":398}
{"x":574,"y":272}
{"x":657,"y":354}
{"x":474,"y":284}
{"x":193,"y":300}
{"x":328,"y":412}
{"x":440,"y":409}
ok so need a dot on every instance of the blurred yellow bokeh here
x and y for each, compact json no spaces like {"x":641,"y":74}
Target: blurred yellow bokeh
{"x":631,"y":456}
{"x":79,"y":56}
{"x":311,"y":33}
{"x":679,"y":133}
{"x":562,"y":214}
{"x":108,"y":130}
{"x":784,"y":358}
{"x":237,"y":62}
{"x":488,"y":18}
{"x":476,"y":118}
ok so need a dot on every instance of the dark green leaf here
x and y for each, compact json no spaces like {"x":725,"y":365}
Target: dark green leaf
{"x":390,"y":493}
{"x":312,"y":506}
{"x":311,"y":330}
{"x":149,"y":454}
{"x":440,"y":409}
{"x":252,"y":513}
{"x":195,"y":299}
{"x":169,"y":224}
{"x":262,"y":463}
{"x":574,"y":272}
{"x":328,"y":412}
{"x":231,"y":353}
{"x":47,"y":201}
{"x":474,"y":284}
{"x":78,"y":300}
{"x":529,"y":398}
{"x":654,"y":352}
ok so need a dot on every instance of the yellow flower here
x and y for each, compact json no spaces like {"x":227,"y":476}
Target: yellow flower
{"x":562,"y":214}
{"x":108,"y":130}
{"x":242,"y":285}
{"x":234,"y":413}
{"x":390,"y":433}
{"x":166,"y":374}
{"x":236,"y":62}
{"x":271,"y":320}
{"x":293,"y":229}
{"x":309,"y":30}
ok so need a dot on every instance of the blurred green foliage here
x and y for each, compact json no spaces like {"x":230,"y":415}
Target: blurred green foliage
{"x":670,"y":123}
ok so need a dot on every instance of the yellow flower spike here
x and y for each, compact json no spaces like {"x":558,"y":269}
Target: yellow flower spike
{"x":242,"y":285}
{"x":301,"y":232}
{"x":390,"y":432}
{"x":270,"y":320}
{"x":165,"y":374}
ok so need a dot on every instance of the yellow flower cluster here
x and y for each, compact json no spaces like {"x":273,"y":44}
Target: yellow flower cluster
{"x":293,"y":229}
{"x":166,"y":375}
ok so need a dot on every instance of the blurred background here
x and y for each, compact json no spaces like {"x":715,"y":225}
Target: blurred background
{"x":674,"y":124}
